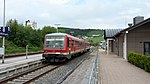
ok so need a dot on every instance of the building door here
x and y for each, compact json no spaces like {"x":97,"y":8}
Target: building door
{"x":146,"y":48}
{"x":111,"y":46}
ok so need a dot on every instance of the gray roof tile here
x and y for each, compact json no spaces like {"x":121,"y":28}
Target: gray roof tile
{"x":110,"y":33}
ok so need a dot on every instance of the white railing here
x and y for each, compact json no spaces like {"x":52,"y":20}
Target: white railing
{"x":93,"y":79}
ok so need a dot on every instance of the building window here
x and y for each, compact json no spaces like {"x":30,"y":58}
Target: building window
{"x":146,"y":48}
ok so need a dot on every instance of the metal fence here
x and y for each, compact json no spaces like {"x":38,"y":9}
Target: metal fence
{"x":9,"y":71}
{"x":94,"y":73}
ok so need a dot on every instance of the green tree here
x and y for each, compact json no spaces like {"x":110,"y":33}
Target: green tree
{"x":24,"y":35}
{"x":36,"y":38}
{"x":48,"y":30}
{"x":22,"y":38}
{"x":21,"y":35}
{"x":13,"y":24}
{"x":61,"y":30}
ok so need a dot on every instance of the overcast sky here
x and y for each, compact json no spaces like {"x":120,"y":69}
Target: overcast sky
{"x":95,"y":14}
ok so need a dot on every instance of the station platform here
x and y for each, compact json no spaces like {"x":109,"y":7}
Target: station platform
{"x":116,"y":70}
{"x":9,"y":62}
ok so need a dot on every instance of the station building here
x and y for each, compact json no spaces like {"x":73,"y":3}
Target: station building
{"x":135,"y":38}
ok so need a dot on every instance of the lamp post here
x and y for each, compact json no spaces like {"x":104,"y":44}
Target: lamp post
{"x":57,"y":26}
{"x":3,"y":31}
{"x":27,"y":51}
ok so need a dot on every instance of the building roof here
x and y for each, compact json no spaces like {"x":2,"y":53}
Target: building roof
{"x":110,"y":33}
{"x":134,"y":26}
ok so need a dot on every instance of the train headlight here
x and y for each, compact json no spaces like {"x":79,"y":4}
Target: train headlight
{"x":57,"y":52}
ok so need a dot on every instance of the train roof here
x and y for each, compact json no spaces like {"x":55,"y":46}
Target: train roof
{"x":56,"y":34}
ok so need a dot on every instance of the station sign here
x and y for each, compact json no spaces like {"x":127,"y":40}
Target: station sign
{"x":6,"y":32}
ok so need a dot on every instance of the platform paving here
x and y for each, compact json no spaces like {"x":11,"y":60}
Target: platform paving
{"x":116,"y":70}
{"x":8,"y":62}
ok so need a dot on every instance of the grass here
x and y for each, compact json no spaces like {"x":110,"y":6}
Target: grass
{"x":22,"y":50}
{"x":96,"y":39}
{"x":96,"y":32}
{"x":11,"y":48}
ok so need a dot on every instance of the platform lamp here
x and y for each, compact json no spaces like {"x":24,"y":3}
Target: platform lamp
{"x":3,"y":45}
{"x":57,"y":26}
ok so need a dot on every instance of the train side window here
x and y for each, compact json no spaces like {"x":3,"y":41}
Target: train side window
{"x":68,"y":42}
{"x":78,"y":44}
{"x":75,"y":43}
{"x":72,"y":42}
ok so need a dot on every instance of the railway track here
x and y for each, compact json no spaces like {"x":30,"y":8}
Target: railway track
{"x":52,"y":73}
{"x":30,"y":76}
{"x":8,"y":72}
{"x":61,"y":80}
{"x":63,"y":72}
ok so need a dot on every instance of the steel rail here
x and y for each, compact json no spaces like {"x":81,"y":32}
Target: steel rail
{"x":18,"y":74}
{"x":71,"y":71}
{"x":12,"y":70}
{"x":30,"y":76}
{"x":40,"y":75}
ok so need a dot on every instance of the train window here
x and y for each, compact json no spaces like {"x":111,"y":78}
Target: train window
{"x":55,"y":37}
{"x":68,"y":42}
{"x":78,"y":44}
{"x":72,"y":42}
{"x":55,"y":42}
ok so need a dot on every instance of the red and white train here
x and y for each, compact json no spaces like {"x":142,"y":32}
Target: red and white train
{"x":61,"y":46}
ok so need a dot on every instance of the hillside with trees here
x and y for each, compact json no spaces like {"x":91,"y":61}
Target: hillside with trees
{"x":82,"y":32}
{"x":21,"y":35}
{"x":95,"y":36}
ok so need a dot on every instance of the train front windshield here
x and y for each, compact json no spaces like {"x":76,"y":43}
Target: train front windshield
{"x":55,"y":42}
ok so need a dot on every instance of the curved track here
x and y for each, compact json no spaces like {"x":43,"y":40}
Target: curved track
{"x":32,"y":76}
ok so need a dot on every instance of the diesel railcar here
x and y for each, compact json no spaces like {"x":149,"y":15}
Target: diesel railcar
{"x":61,"y":46}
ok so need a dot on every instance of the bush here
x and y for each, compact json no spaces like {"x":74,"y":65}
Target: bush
{"x":15,"y":50}
{"x":11,"y":48}
{"x":147,"y":64}
{"x":139,"y":60}
{"x":22,"y":50}
{"x":35,"y":49}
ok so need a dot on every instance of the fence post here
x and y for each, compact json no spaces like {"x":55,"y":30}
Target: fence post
{"x":26,"y":51}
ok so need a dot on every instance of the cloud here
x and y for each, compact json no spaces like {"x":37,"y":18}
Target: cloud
{"x":148,"y":5}
{"x":76,"y":13}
